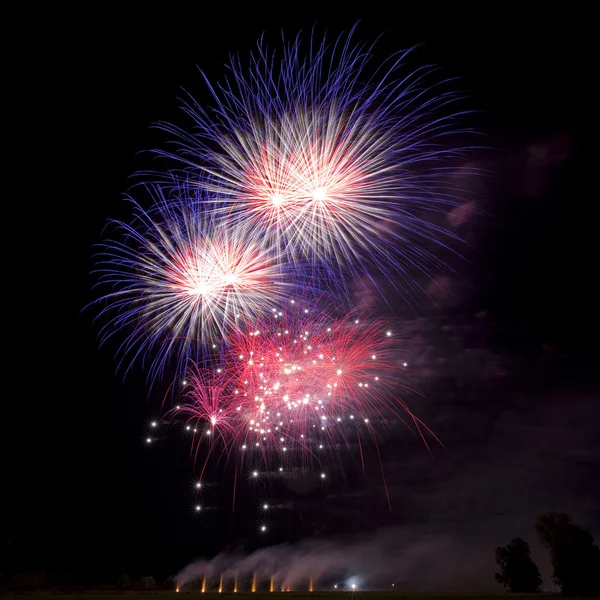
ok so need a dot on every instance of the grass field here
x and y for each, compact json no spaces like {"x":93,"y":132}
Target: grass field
{"x":261,"y":595}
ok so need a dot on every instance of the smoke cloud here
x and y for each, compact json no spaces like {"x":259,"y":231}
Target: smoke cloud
{"x":375,"y":562}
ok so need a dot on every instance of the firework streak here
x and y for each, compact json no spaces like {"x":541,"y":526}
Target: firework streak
{"x":314,"y":167}
{"x":327,"y":156}
{"x":291,"y":386}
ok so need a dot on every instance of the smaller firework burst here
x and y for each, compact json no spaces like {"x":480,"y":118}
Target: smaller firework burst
{"x":294,"y":388}
{"x":178,"y":282}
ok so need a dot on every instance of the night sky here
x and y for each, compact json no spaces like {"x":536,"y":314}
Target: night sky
{"x":505,"y":359}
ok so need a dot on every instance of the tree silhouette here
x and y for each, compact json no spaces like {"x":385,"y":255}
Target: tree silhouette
{"x":575,"y":557}
{"x":148,"y":582}
{"x":518,"y":572}
{"x":169,"y":583}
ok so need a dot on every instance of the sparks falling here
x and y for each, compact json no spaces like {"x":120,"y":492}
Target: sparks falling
{"x":293,"y":386}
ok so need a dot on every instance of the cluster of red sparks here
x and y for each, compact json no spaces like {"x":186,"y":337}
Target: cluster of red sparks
{"x":295,"y":385}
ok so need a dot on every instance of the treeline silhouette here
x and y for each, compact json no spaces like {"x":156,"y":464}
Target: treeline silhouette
{"x":575,"y":559}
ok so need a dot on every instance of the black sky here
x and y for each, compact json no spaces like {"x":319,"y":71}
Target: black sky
{"x":506,"y":364}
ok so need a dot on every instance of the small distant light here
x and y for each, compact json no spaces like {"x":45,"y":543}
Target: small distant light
{"x":244,"y":447}
{"x":265,"y":507}
{"x":178,"y":407}
{"x":335,"y":586}
{"x":353,"y":586}
{"x":187,"y":427}
{"x":263,"y":527}
{"x":356,"y":321}
{"x":405,"y":364}
{"x":153,"y":424}
{"x":198,"y":508}
{"x":321,"y":446}
{"x":388,"y":333}
{"x":148,"y":440}
{"x":323,"y":475}
{"x":366,"y":420}
{"x":339,"y":371}
{"x":254,"y":473}
{"x":352,"y":416}
{"x":198,"y":485}
{"x":280,"y":469}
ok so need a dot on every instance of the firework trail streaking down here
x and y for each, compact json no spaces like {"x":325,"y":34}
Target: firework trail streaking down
{"x":315,"y":171}
{"x":178,"y":282}
{"x":326,"y":156}
{"x":295,"y":385}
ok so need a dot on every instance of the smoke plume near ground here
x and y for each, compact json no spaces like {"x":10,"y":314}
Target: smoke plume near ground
{"x":373,"y":562}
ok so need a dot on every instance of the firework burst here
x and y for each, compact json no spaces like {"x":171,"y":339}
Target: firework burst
{"x":315,"y":164}
{"x":293,"y":387}
{"x":325,"y":156}
{"x":178,"y":282}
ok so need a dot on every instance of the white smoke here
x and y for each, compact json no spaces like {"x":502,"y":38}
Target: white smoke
{"x":374,"y":563}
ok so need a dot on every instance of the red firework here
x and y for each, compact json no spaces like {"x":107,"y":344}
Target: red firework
{"x":298,"y":383}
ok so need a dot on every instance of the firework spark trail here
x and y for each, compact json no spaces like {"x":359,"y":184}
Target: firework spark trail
{"x":313,"y":167}
{"x":178,"y":282}
{"x":326,"y":158}
{"x":293,"y":387}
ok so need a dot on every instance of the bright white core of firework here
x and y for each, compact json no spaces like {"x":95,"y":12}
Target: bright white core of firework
{"x":319,"y":194}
